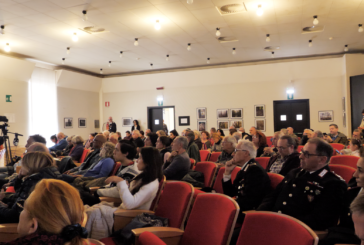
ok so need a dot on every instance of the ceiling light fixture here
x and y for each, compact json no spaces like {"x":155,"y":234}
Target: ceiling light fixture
{"x":75,"y":37}
{"x":151,"y":65}
{"x":121,"y":54}
{"x":136,"y":43}
{"x":272,"y":55}
{"x":68,"y":50}
{"x":268,"y":38}
{"x":2,"y":32}
{"x":218,"y":33}
{"x":208,"y":61}
{"x":109,"y":63}
{"x":260,"y":10}
{"x":101,"y":72}
{"x":7,"y":47}
{"x":234,"y":51}
{"x":315,"y":20}
{"x":360,"y":28}
{"x":310,"y":43}
{"x":188,"y":46}
{"x":84,"y":15}
{"x":157,"y":26}
{"x":190,"y":1}
{"x":63,"y":61}
{"x":167,"y":57}
{"x":346,"y":49}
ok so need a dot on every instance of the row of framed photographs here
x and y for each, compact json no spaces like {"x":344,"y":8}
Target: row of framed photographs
{"x":68,"y":122}
{"x":234,"y":113}
{"x":225,"y":124}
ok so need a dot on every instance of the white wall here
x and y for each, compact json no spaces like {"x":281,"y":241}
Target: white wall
{"x":319,"y":80}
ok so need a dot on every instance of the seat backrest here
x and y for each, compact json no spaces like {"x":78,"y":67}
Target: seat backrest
{"x":279,"y":229}
{"x":212,"y":219}
{"x":345,"y":172}
{"x":204,"y":154}
{"x":275,"y":179}
{"x":263,"y":161}
{"x":345,"y":160}
{"x":175,"y":202}
{"x":148,"y":238}
{"x":84,"y":154}
{"x":269,"y":142}
{"x":116,"y":167}
{"x":162,"y":183}
{"x":218,"y":181}
{"x":214,"y":156}
{"x":209,"y":171}
{"x":337,"y":146}
{"x":299,"y":148}
{"x":193,"y":162}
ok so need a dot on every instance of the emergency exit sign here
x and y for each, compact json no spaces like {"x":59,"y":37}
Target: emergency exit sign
{"x":8,"y":98}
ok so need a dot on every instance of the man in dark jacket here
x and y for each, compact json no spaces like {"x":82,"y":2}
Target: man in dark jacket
{"x":335,"y":136}
{"x":178,"y":163}
{"x":312,"y":193}
{"x":228,"y":147}
{"x":112,"y":125}
{"x":286,"y":159}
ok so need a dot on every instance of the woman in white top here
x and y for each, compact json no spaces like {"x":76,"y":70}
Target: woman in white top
{"x":355,"y":146}
{"x":140,"y":192}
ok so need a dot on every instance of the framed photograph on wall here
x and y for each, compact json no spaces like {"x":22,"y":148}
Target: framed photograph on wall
{"x":82,"y":122}
{"x":127,"y":121}
{"x":222,"y":113}
{"x":259,"y":110}
{"x":97,"y":123}
{"x":202,"y":125}
{"x":68,"y":122}
{"x":236,"y":123}
{"x":236,"y":113}
{"x":260,"y":124}
{"x":201,"y":113}
{"x":326,"y":116}
{"x":184,"y":121}
{"x":223,"y":124}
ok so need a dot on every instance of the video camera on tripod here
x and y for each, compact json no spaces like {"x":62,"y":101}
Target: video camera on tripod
{"x":5,"y":138}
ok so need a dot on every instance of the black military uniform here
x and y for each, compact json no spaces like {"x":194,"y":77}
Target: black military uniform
{"x":314,"y":198}
{"x":250,"y":186}
{"x":112,"y":127}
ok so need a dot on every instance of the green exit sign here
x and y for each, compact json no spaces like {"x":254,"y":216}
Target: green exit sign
{"x":8,"y":98}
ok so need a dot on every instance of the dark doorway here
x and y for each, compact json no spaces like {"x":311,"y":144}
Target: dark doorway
{"x":292,"y":113}
{"x":357,"y":100}
{"x":157,"y":114}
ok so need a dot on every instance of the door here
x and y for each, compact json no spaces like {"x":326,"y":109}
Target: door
{"x":291,"y":113}
{"x":357,"y":100}
{"x":155,"y":118}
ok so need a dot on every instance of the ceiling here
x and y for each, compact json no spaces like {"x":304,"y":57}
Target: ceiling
{"x":42,"y":29}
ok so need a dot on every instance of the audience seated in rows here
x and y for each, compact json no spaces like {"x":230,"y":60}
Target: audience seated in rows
{"x":193,"y":150}
{"x":151,"y":139}
{"x":291,"y":133}
{"x":106,"y":133}
{"x":260,"y":142}
{"x":272,"y":150}
{"x":106,"y":163}
{"x":357,"y":135}
{"x":77,"y":149}
{"x":54,"y":139}
{"x":197,"y":139}
{"x":173,"y":134}
{"x":178,"y":163}
{"x":221,"y":133}
{"x":307,"y":134}
{"x":228,"y":147}
{"x":142,"y":135}
{"x":136,"y":140}
{"x":127,"y":135}
{"x":161,"y":133}
{"x":335,"y":136}
{"x":318,"y":134}
{"x":119,"y":136}
{"x":89,"y":142}
{"x":244,"y":135}
{"x":217,"y":146}
{"x":205,"y":140}
{"x":163,"y":145}
{"x":61,"y":144}
{"x":114,"y":138}
{"x":237,"y":136}
{"x":355,"y":148}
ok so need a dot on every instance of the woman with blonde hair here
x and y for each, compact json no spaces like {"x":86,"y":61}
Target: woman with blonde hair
{"x":52,"y":215}
{"x":35,"y":167}
{"x":217,"y":143}
{"x":106,"y":164}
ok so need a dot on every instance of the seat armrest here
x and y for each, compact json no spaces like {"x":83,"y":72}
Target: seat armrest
{"x":249,"y":211}
{"x":94,"y":189}
{"x":8,"y":232}
{"x":122,"y":217}
{"x":321,"y":234}
{"x":169,"y":235}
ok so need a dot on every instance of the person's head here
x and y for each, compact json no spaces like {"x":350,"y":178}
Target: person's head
{"x":180,"y":142}
{"x":237,"y":136}
{"x":37,"y":147}
{"x":173,"y":134}
{"x":315,"y":154}
{"x":127,"y":134}
{"x":334,"y":129}
{"x":114,"y":138}
{"x":110,"y":119}
{"x":107,"y":150}
{"x":284,"y":131}
{"x":151,"y":139}
{"x":34,"y":162}
{"x":359,"y":172}
{"x":190,"y":136}
{"x":253,"y":131}
{"x":205,"y":135}
{"x":150,"y":163}
{"x":241,"y":130}
{"x":318,"y":134}
{"x":216,"y":137}
{"x":221,"y":132}
{"x":197,"y":134}
{"x":276,"y":137}
{"x":232,"y":127}
{"x":99,"y":140}
{"x":356,"y":134}
{"x":135,"y":134}
{"x":60,"y":136}
{"x":136,"y":123}
{"x":54,"y":139}
{"x":259,"y":140}
{"x":162,"y":142}
{"x":357,"y":209}
{"x":161,"y":133}
{"x":91,"y":136}
{"x":229,"y":144}
{"x":355,"y":145}
{"x":119,"y":134}
{"x":53,"y":208}
{"x":286,"y":145}
{"x":148,"y":131}
{"x":141,"y":133}
{"x":212,"y":130}
{"x":308,"y":133}
{"x":232,"y":131}
{"x":35,"y":138}
{"x":244,"y":151}
{"x":77,"y":140}
{"x":124,"y":151}
{"x":69,"y":140}
{"x":290,"y":130}
{"x":106,"y":133}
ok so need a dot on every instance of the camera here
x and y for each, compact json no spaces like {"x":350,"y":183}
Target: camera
{"x":5,"y":140}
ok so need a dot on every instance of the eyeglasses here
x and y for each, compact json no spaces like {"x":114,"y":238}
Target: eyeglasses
{"x":281,"y":148}
{"x":236,"y":150}
{"x":307,"y":155}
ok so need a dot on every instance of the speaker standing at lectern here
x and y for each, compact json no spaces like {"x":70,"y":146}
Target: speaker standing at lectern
{"x":111,"y":126}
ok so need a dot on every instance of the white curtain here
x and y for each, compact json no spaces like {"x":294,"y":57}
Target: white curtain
{"x":43,"y":104}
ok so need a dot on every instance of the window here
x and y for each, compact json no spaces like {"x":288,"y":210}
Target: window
{"x":283,"y":118}
{"x":299,"y":117}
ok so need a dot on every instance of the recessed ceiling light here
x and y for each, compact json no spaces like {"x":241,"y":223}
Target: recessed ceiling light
{"x":260,"y":10}
{"x":157,"y":26}
{"x":310,"y":43}
{"x":346,"y":49}
{"x":167,"y":57}
{"x":68,"y":50}
{"x":84,"y":15}
{"x":218,"y":33}
{"x":268,"y":38}
{"x":75,"y":37}
{"x":360,"y":28}
{"x":121,"y":54}
{"x":136,"y":43}
{"x":234,"y":51}
{"x":188,"y":46}
{"x":208,"y":61}
{"x":315,"y":20}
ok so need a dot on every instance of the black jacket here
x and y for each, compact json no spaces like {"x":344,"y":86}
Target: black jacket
{"x":163,"y":152}
{"x":250,"y":186}
{"x":112,"y":127}
{"x":292,"y":162}
{"x":316,"y":199}
{"x":133,"y":128}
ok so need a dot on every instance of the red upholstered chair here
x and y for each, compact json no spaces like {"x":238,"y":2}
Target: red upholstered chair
{"x":279,"y":229}
{"x":345,"y":172}
{"x":84,"y":155}
{"x":269,"y":142}
{"x":148,"y":238}
{"x":204,"y":155}
{"x":209,"y":171}
{"x":214,"y":156}
{"x":162,"y":183}
{"x":116,"y":167}
{"x":218,"y":182}
{"x":193,"y":162}
{"x":299,"y":148}
{"x":345,"y":160}
{"x":207,"y":224}
{"x":337,"y":146}
{"x":263,"y":161}
{"x":10,"y":189}
{"x":275,"y":179}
